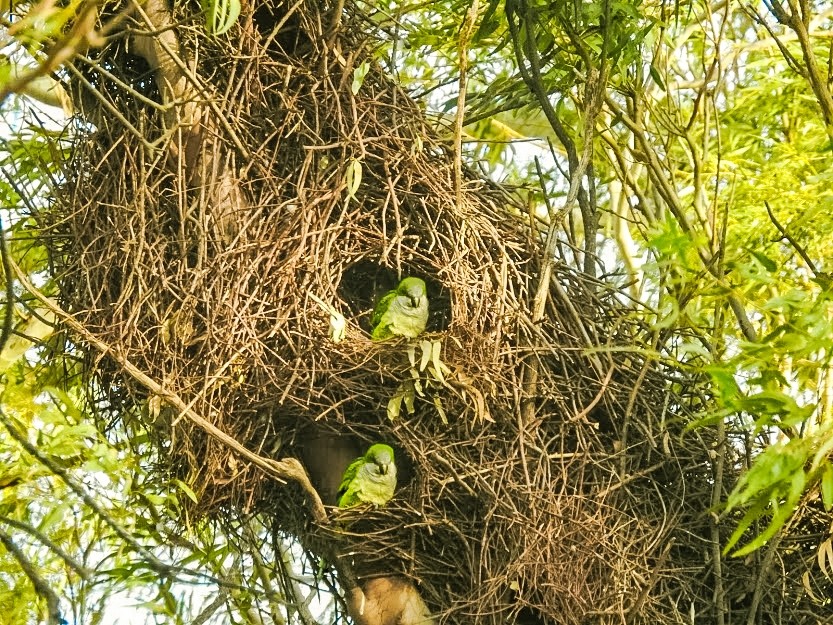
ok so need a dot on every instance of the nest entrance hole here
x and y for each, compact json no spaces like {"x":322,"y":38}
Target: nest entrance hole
{"x":364,"y":283}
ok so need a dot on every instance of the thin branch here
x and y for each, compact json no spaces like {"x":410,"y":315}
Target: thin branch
{"x":466,"y":32}
{"x":260,"y":570}
{"x":719,"y":464}
{"x":286,"y":469}
{"x":531,"y":77}
{"x":786,"y":235}
{"x":61,"y":472}
{"x":43,"y":589}
{"x":283,"y":559}
{"x":762,"y":577}
{"x":656,"y":571}
{"x":788,"y":57}
{"x":798,"y":21}
{"x":669,"y":196}
{"x":9,"y":303}
{"x":209,"y":610}
{"x":83,"y":572}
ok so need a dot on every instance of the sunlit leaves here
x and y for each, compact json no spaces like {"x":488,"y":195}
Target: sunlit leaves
{"x":424,"y":379}
{"x":29,"y":331}
{"x":44,"y":89}
{"x":220,"y":15}
{"x":43,"y":21}
{"x":775,"y":384}
{"x":827,"y":487}
{"x":352,"y":178}
{"x":358,"y":77}
{"x":771,"y":490}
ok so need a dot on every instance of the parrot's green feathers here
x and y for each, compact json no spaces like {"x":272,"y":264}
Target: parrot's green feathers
{"x":369,"y":479}
{"x":381,"y":307}
{"x":402,"y":312}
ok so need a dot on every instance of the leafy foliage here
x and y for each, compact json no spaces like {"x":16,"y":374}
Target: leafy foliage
{"x":680,"y":151}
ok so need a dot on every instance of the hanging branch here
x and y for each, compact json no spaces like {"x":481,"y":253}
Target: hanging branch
{"x":526,"y":50}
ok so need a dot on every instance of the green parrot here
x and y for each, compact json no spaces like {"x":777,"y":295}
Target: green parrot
{"x":403,"y":311}
{"x":369,"y":479}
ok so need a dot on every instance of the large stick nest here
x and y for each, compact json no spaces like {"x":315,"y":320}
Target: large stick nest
{"x":587,"y":508}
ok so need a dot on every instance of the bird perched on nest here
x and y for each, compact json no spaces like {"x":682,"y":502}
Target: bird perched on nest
{"x":403,"y":311}
{"x":369,"y":479}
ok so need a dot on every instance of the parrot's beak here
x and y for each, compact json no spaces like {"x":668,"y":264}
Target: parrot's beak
{"x":415,"y":301}
{"x":383,"y":469}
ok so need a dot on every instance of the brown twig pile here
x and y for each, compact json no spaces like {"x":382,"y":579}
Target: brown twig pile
{"x":588,"y":507}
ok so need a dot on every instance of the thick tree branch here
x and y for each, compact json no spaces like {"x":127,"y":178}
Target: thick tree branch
{"x":194,"y":119}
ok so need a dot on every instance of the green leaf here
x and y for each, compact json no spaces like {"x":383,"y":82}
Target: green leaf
{"x":768,"y":404}
{"x":765,"y":260}
{"x":749,"y":517}
{"x":438,"y":364}
{"x":358,"y":77}
{"x":827,"y":487}
{"x":782,"y":514}
{"x":426,"y":354}
{"x":28,"y":333}
{"x":187,"y":490}
{"x":220,"y":15}
{"x":438,"y":404}
{"x":353,"y":178}
{"x":409,"y":397}
{"x":655,"y":75}
{"x":670,"y":317}
{"x":53,"y":518}
{"x":404,"y":394}
{"x":67,"y":403}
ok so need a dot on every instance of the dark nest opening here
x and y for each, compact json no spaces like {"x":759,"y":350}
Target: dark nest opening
{"x":562,"y":488}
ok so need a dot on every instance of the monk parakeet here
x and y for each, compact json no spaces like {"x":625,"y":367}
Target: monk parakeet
{"x":403,"y":311}
{"x":369,"y":479}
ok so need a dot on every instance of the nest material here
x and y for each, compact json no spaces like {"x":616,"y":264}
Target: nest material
{"x":587,"y":508}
